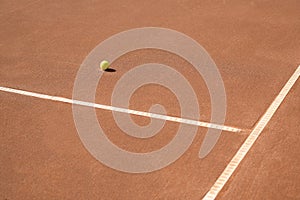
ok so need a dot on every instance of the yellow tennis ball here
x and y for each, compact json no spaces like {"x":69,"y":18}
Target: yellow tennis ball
{"x":104,"y":65}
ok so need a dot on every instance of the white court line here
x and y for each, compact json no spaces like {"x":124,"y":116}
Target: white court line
{"x":122,"y":110}
{"x":239,"y":156}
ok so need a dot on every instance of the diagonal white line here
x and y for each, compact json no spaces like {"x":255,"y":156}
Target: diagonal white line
{"x":123,"y":110}
{"x":239,"y":156}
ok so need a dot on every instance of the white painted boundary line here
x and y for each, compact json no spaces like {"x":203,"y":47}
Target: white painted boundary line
{"x":122,"y":110}
{"x":239,"y":156}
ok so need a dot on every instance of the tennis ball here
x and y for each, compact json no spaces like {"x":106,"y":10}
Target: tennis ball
{"x":104,"y":65}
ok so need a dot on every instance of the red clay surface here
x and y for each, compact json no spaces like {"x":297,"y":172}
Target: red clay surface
{"x":255,"y":45}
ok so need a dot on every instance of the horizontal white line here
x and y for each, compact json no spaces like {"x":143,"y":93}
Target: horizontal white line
{"x":239,"y":156}
{"x":122,"y":110}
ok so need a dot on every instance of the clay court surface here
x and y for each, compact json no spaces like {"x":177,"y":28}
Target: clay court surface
{"x":255,"y":45}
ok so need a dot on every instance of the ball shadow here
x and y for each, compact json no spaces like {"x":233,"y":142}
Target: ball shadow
{"x":110,"y":70}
